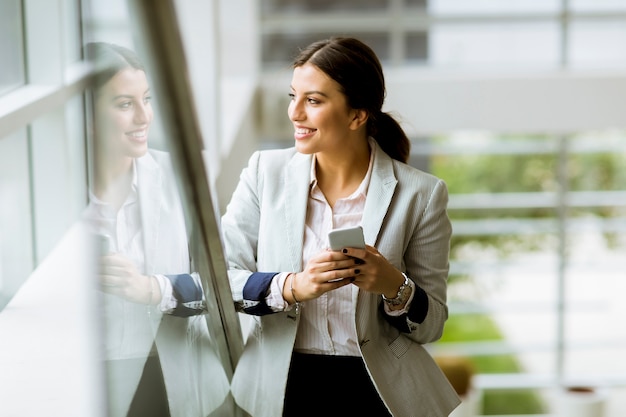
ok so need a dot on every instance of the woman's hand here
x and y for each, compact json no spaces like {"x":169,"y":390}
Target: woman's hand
{"x":326,"y":271}
{"x":120,"y":277}
{"x":376,"y":274}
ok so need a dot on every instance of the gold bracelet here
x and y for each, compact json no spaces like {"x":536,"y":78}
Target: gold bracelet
{"x":293,"y":294}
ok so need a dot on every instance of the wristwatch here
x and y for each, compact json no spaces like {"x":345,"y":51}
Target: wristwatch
{"x":403,"y":293}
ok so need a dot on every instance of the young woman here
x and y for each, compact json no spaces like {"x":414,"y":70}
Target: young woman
{"x":339,"y":333}
{"x":159,"y":358}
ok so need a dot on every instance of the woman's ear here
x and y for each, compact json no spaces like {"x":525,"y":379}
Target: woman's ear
{"x":359,"y":118}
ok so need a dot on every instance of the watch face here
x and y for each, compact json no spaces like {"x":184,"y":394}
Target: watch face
{"x":406,"y":291}
{"x":403,"y":294}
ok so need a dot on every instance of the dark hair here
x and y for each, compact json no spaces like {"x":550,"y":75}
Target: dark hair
{"x":110,"y":59}
{"x":356,"y":68}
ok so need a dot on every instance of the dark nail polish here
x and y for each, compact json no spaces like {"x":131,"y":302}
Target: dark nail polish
{"x":345,"y":251}
{"x":357,"y":271}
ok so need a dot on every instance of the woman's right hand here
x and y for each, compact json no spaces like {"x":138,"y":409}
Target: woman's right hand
{"x":325,"y":271}
{"x":120,"y":277}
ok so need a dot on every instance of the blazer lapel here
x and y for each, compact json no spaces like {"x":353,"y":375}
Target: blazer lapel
{"x":297,"y":183}
{"x":379,"y":194}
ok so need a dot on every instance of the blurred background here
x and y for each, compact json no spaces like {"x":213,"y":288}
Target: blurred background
{"x":520,"y":106}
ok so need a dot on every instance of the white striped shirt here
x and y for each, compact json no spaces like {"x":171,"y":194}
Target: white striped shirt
{"x":327,"y":324}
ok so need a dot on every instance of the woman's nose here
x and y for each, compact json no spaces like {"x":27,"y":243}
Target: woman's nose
{"x":295,"y":110}
{"x":143,"y":113}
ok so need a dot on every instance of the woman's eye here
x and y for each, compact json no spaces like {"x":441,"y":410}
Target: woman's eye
{"x":147,"y":99}
{"x":312,"y":100}
{"x":292,"y":96}
{"x":124,"y":105}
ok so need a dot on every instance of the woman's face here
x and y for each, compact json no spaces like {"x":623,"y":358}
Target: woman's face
{"x":124,"y":113}
{"x":319,"y":111}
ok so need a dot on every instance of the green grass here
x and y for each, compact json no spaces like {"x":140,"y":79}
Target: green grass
{"x":480,"y":327}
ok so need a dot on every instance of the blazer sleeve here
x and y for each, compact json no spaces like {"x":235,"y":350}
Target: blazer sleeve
{"x":240,"y":230}
{"x":426,"y":260}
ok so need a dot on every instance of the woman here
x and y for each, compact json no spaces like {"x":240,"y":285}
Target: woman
{"x":339,"y":332}
{"x":157,"y":347}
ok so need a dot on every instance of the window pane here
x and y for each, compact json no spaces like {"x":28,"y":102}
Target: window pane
{"x":417,"y":47}
{"x":597,"y":5}
{"x":72,"y":34}
{"x":481,"y":7}
{"x":58,"y":173}
{"x":280,"y":49}
{"x":144,"y":219}
{"x":512,"y":262}
{"x":598,"y":44}
{"x":16,"y":256}
{"x":316,"y":6}
{"x":596,"y":246}
{"x":11,"y":45}
{"x":495,"y":45}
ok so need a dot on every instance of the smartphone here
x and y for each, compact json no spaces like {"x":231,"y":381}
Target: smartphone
{"x":350,"y":237}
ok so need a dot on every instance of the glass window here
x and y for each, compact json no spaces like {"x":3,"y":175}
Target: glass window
{"x":516,"y":253}
{"x":597,"y":44}
{"x":58,"y":173}
{"x":417,"y":47}
{"x":494,"y":45}
{"x":16,"y":253}
{"x":279,"y":49}
{"x":492,"y":7}
{"x":146,"y":221}
{"x":73,"y":32}
{"x":11,"y":45}
{"x":317,"y":6}
{"x":597,"y":5}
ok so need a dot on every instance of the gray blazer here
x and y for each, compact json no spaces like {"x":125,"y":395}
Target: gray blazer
{"x":405,"y":218}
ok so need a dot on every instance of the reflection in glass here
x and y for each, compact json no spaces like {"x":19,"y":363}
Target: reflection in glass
{"x":158,"y":352}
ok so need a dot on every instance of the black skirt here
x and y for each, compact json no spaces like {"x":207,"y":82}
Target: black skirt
{"x":328,"y":386}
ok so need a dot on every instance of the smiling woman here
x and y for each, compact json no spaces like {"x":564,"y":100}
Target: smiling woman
{"x":359,"y":314}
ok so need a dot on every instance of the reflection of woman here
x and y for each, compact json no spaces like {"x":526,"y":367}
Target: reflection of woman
{"x":159,"y":358}
{"x":353,"y":344}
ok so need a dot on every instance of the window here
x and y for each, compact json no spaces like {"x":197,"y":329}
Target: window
{"x":11,"y":46}
{"x":49,"y":310}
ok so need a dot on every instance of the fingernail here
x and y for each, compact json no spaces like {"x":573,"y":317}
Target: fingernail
{"x":359,"y":261}
{"x":345,"y":251}
{"x":357,"y":271}
{"x":352,"y":279}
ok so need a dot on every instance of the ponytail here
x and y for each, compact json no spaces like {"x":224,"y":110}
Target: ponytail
{"x":390,"y":136}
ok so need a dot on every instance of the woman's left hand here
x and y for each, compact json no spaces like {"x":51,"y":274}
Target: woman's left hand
{"x":376,"y":275}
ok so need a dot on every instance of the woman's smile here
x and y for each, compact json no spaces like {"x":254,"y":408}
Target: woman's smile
{"x":303,"y":133}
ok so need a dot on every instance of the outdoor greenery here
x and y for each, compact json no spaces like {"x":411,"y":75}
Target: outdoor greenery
{"x":480,"y":163}
{"x":480,"y":327}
